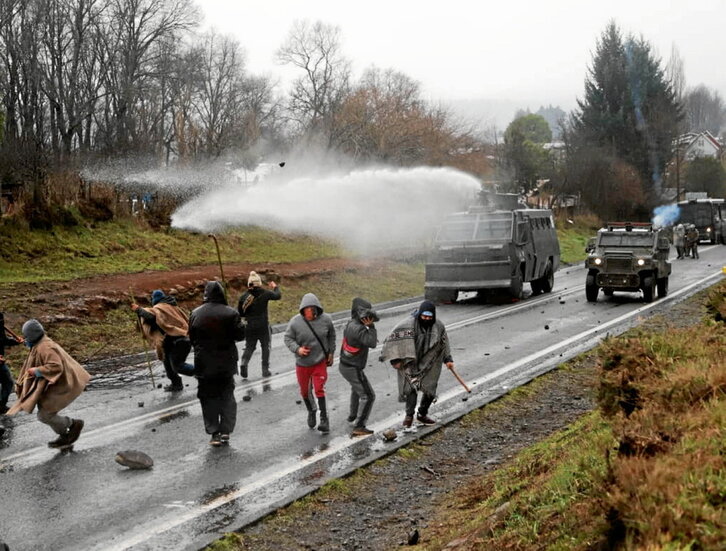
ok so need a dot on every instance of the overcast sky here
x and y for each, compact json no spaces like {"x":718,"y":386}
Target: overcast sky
{"x":514,"y":54}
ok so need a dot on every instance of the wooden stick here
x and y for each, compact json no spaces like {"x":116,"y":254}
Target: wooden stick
{"x":143,"y":339}
{"x":12,"y":333}
{"x":458,"y":378}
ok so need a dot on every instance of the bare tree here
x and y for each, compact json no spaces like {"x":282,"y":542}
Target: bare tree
{"x":319,"y":92}
{"x":705,"y":110}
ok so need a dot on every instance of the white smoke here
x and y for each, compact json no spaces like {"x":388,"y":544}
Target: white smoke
{"x":364,"y":209}
{"x":665,"y":215}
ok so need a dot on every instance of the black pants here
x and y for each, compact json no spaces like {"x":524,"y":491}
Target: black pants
{"x":252,"y":337}
{"x":423,"y":409}
{"x":219,"y":408}
{"x":176,"y":350}
{"x":6,"y":384}
{"x":362,"y":395}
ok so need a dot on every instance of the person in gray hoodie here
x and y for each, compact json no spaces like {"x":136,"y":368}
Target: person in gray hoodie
{"x":310,"y":335}
{"x":358,"y":337}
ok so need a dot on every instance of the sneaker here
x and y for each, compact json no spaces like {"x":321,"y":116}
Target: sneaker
{"x":216,"y":440}
{"x":361,"y":431}
{"x":60,"y":442}
{"x":243,"y":371}
{"x":408,"y":421}
{"x":425,"y":420}
{"x":74,"y":431}
{"x":266,"y":372}
{"x":224,"y":438}
{"x":312,"y":419}
{"x":324,"y":426}
{"x":174,"y":388}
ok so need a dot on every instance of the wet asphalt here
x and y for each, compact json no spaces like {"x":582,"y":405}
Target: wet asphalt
{"x":194,"y":493}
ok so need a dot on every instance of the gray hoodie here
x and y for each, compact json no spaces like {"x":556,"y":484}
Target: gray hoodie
{"x":300,"y":334}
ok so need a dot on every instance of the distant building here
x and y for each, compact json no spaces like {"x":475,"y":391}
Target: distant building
{"x":700,"y":144}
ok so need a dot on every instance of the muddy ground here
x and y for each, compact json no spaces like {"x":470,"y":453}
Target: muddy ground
{"x":381,"y":507}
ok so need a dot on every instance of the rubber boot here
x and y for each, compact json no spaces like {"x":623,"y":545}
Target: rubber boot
{"x":312,"y":418}
{"x":323,"y":426}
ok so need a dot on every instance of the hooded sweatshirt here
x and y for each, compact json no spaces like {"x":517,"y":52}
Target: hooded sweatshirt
{"x":214,"y":328}
{"x":357,"y":338}
{"x":299,"y":333}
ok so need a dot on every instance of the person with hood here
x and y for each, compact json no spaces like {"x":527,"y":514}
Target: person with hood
{"x":679,"y":239}
{"x":252,"y":307}
{"x":6,"y":378}
{"x":166,"y":327}
{"x":50,"y":380}
{"x":359,"y":336}
{"x":310,"y":335}
{"x":692,"y":238}
{"x":417,"y":347}
{"x":214,"y":328}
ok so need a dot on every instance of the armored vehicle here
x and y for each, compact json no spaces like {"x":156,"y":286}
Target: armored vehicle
{"x":487,"y":248}
{"x":627,"y":256}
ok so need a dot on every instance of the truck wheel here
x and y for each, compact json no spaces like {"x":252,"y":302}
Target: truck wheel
{"x":516,"y":288}
{"x":591,"y":289}
{"x":441,"y":295}
{"x":648,"y":289}
{"x":548,"y":280}
{"x":662,"y":284}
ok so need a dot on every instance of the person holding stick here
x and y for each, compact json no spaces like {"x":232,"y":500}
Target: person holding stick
{"x":417,"y":348}
{"x":7,"y":338}
{"x":166,"y":327}
{"x":50,"y":380}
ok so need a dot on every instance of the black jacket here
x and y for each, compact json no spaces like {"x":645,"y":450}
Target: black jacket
{"x":214,"y":328}
{"x":256,"y":312}
{"x":357,"y":338}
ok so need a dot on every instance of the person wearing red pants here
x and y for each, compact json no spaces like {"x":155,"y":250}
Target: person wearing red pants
{"x":310,"y":336}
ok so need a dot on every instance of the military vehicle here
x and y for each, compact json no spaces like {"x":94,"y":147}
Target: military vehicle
{"x":627,"y":256}
{"x":490,"y":247}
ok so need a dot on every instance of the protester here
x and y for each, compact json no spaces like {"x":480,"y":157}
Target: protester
{"x":253,"y":309}
{"x":359,"y":336}
{"x":692,"y":238}
{"x":166,"y":327}
{"x":6,"y":378}
{"x":679,"y":239}
{"x":49,"y":379}
{"x":310,"y":336}
{"x":417,"y":347}
{"x":214,"y":328}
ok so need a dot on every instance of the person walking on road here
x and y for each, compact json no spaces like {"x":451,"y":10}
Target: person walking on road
{"x":214,"y":328}
{"x":417,"y":347}
{"x":692,"y":238}
{"x":166,"y":327}
{"x":679,"y":239}
{"x":310,"y":336}
{"x":50,"y":380}
{"x":6,"y":378}
{"x":252,"y":307}
{"x":359,"y":336}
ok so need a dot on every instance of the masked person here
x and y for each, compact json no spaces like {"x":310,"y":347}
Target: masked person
{"x":49,"y":379}
{"x":679,"y":239}
{"x":692,"y":238}
{"x":252,"y":307}
{"x":310,"y":335}
{"x":6,"y":378}
{"x":214,"y":328}
{"x":417,"y":347}
{"x":359,"y":336}
{"x":166,"y":327}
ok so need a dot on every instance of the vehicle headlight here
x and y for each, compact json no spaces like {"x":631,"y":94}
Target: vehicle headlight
{"x":597,"y":260}
{"x":708,"y":230}
{"x":641,"y":262}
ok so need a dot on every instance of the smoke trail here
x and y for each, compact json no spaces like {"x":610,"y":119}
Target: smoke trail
{"x":364,"y":209}
{"x":665,"y":215}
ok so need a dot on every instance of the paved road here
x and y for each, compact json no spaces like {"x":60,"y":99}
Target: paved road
{"x":194,"y":493}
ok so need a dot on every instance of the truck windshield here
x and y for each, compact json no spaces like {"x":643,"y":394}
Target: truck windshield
{"x":490,"y":228}
{"x":474,"y":227}
{"x":626,"y":239}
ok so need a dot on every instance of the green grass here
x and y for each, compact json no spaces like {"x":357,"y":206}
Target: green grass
{"x":126,"y":246}
{"x":574,"y":237}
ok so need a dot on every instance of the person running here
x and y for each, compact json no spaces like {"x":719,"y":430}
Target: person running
{"x":214,"y":328}
{"x":417,"y":347}
{"x":252,"y":307}
{"x":6,"y":378}
{"x":310,"y":336}
{"x":50,"y":380}
{"x":166,"y":327}
{"x":359,"y":336}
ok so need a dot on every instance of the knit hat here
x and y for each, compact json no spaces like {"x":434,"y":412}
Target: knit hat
{"x":157,"y":296}
{"x":33,"y":331}
{"x":254,"y":280}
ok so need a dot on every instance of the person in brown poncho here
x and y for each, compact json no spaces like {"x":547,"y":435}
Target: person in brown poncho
{"x":50,"y":380}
